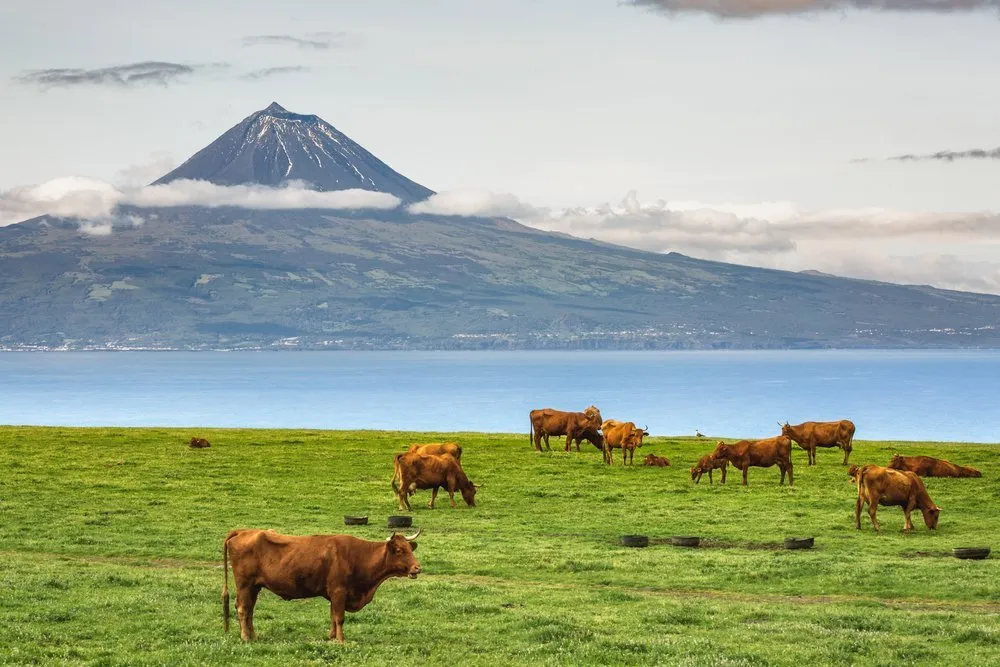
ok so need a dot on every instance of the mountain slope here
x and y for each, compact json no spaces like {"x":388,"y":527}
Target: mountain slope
{"x":197,"y":278}
{"x":274,"y":146}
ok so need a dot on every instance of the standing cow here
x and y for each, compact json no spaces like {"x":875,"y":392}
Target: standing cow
{"x":575,"y":426}
{"x":810,"y":435}
{"x":621,"y":435}
{"x":885,"y":486}
{"x":707,"y":464}
{"x":759,"y":454}
{"x":430,"y":471}
{"x":343,"y":569}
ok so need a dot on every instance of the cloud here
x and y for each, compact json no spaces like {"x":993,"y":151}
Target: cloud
{"x":95,"y":203}
{"x":878,"y":244}
{"x":315,"y":40}
{"x":749,"y":9}
{"x":951,"y":156}
{"x":268,"y":72}
{"x":137,"y":175}
{"x":122,"y":76}
{"x":474,"y":203}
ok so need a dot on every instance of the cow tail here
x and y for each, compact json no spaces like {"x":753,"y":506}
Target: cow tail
{"x":396,"y":473}
{"x":225,"y":583}
{"x":531,"y":432}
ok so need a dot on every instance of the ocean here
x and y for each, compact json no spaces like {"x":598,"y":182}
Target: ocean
{"x":905,"y":395}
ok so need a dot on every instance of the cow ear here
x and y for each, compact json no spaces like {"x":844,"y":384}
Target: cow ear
{"x":413,"y":545}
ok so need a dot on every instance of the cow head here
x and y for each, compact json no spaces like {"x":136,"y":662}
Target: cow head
{"x":721,"y":451}
{"x":595,"y":416}
{"x":853,"y":473}
{"x":931,"y":515}
{"x":694,"y":472}
{"x":786,"y":430}
{"x":469,"y":493}
{"x":399,"y":556}
{"x":897,"y":462}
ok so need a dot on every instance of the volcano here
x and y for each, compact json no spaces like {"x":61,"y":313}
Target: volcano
{"x":193,"y":277}
{"x":274,"y":146}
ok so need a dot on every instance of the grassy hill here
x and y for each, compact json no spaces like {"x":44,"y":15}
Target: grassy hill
{"x":200,"y":278}
{"x":112,"y":548}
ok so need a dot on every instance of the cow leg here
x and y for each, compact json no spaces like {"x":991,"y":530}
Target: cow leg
{"x":338,"y":602}
{"x":547,"y":448}
{"x":434,"y":495}
{"x":857,"y":512}
{"x":872,"y":513}
{"x":451,"y":491}
{"x":246,"y":598}
{"x":791,"y":480}
{"x":745,"y":470}
{"x":538,"y":441}
{"x":847,"y":454}
{"x":907,"y":508}
{"x":723,"y":480}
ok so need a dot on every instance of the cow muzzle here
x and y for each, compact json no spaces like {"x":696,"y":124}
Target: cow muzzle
{"x":414,"y":571}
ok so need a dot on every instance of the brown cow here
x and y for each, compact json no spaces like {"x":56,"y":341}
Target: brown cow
{"x":885,"y":486}
{"x":451,"y":448}
{"x":708,"y":464}
{"x":759,"y":454}
{"x":654,"y":460}
{"x":926,"y":466}
{"x":343,"y":569}
{"x":199,"y":443}
{"x":621,"y":435}
{"x":576,"y":426}
{"x":810,"y":435}
{"x":429,"y":471}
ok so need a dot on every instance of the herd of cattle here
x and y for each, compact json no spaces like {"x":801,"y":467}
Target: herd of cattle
{"x":347,"y":570}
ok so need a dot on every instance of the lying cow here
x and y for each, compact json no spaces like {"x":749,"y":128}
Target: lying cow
{"x":199,"y":443}
{"x":885,"y":486}
{"x":926,"y":466}
{"x":708,"y":464}
{"x":810,"y":435}
{"x":576,"y":426}
{"x":758,"y":454}
{"x":429,"y":471}
{"x":343,"y":569}
{"x":451,"y":448}
{"x":657,"y":461}
{"x":621,"y":435}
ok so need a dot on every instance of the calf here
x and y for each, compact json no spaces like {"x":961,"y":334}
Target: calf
{"x":451,"y":448}
{"x":926,"y":466}
{"x":657,"y":461}
{"x":759,"y":454}
{"x":810,"y":435}
{"x":707,"y":464}
{"x":199,"y":443}
{"x":885,"y":486}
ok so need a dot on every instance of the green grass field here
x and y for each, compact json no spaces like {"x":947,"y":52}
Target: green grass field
{"x":111,"y":555}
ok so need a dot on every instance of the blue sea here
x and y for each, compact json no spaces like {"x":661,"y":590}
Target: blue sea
{"x":907,"y":395}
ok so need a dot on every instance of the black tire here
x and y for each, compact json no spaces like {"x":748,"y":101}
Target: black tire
{"x":684,"y":541}
{"x":635,"y":540}
{"x":970,"y":553}
{"x":355,"y":521}
{"x":799,"y":542}
{"x":400,"y":521}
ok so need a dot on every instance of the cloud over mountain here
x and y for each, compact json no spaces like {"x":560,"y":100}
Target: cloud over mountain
{"x":94,"y":202}
{"x":314,"y":40}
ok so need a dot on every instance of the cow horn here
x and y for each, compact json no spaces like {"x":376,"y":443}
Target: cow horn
{"x":410,"y":538}
{"x":779,"y":423}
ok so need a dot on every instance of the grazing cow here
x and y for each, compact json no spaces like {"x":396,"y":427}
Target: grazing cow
{"x":759,"y":454}
{"x":451,"y":448}
{"x":708,"y":464}
{"x":885,"y":486}
{"x":654,"y":460}
{"x":429,"y":471}
{"x":621,"y":435}
{"x":199,"y":443}
{"x":576,"y":426}
{"x":810,"y":435}
{"x":343,"y":569}
{"x":926,"y":466}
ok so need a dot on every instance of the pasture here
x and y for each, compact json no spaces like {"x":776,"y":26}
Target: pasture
{"x":111,"y":542}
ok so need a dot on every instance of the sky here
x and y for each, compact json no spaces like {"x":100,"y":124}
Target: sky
{"x":853,"y":137}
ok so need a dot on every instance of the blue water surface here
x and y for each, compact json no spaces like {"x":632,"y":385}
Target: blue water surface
{"x":907,"y":395}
